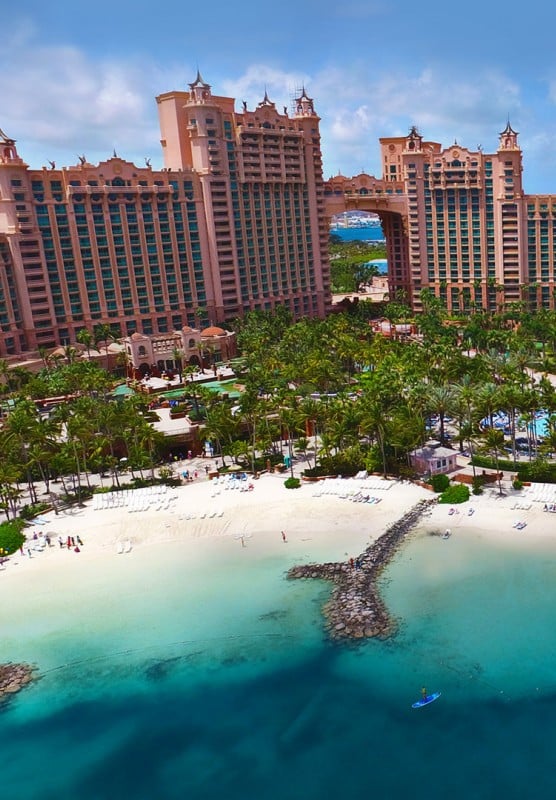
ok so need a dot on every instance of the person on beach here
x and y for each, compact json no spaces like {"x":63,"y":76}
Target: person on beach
{"x":79,"y":542}
{"x":284,"y":537}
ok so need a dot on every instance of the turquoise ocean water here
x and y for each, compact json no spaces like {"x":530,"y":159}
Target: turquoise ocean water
{"x":367,"y":233}
{"x":209,"y":683}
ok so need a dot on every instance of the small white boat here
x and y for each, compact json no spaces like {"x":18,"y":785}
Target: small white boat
{"x":447,"y":533}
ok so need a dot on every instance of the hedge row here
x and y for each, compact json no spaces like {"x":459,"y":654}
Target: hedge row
{"x":540,"y":472}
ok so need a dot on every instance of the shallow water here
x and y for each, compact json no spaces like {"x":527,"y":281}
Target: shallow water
{"x":221,"y":684}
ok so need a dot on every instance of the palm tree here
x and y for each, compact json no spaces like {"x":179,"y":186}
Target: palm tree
{"x":177,"y":355}
{"x":105,"y":334}
{"x":494,"y":442}
{"x":86,"y":338}
{"x":374,"y":423}
{"x":440,"y":401}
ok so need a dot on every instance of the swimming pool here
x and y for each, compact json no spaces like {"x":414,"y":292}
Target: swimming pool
{"x":501,"y":421}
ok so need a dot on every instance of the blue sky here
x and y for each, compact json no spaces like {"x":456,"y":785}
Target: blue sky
{"x":81,"y":79}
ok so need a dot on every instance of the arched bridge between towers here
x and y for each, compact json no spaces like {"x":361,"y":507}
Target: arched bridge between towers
{"x":389,"y":201}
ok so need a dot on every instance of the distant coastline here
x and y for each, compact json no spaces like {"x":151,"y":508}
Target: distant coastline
{"x":364,"y":233}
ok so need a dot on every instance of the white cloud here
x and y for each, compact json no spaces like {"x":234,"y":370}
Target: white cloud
{"x":357,"y":111}
{"x":59,"y":102}
{"x":56,"y":100}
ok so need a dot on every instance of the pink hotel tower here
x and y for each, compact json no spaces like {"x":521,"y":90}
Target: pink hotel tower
{"x":238,"y":220}
{"x":234,"y":221}
{"x":458,"y":223}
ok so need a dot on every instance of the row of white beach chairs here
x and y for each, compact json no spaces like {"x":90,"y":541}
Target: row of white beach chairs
{"x":134,"y":499}
{"x":349,"y":487}
{"x":520,"y":504}
{"x":542,"y":493}
{"x":550,"y":507}
{"x":208,"y":514}
{"x":361,"y":497}
{"x":229,"y":482}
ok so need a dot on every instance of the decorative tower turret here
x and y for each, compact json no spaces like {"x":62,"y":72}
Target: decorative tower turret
{"x":414,"y":142}
{"x":8,"y":150}
{"x":304,"y":105}
{"x":508,"y":139}
{"x":200,"y":90}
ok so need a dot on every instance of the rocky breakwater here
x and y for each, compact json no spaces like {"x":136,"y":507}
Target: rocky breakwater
{"x":355,"y":609}
{"x":13,"y":677}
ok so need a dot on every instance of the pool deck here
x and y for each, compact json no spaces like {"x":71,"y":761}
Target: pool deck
{"x":203,"y":376}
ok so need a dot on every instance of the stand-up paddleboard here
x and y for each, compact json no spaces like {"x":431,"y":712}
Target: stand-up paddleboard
{"x":424,"y":701}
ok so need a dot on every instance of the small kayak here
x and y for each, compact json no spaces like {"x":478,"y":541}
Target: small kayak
{"x":424,"y":701}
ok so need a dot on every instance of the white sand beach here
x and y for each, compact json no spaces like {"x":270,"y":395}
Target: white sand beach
{"x":318,"y":523}
{"x":321,"y":521}
{"x":206,"y":523}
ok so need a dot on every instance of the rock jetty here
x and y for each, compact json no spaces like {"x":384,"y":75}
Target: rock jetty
{"x":355,"y":609}
{"x":13,"y":677}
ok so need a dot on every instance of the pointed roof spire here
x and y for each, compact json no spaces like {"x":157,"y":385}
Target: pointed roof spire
{"x":304,"y":104}
{"x":5,"y":139}
{"x":508,"y":129}
{"x":199,"y":82}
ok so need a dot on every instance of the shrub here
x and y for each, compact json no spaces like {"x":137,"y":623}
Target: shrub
{"x":539,"y":470}
{"x":292,"y":483}
{"x":440,"y":482}
{"x":30,"y":511}
{"x":517,"y":484}
{"x":457,"y":493}
{"x":478,"y":483}
{"x":11,"y":536}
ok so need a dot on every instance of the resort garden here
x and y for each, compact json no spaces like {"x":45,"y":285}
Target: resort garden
{"x":333,"y":393}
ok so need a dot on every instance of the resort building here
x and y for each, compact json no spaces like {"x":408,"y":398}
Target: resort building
{"x":235,"y":221}
{"x":156,"y":354}
{"x":433,"y":459}
{"x":457,"y":222}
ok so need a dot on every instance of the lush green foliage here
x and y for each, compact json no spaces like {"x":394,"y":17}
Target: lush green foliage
{"x":329,"y":390}
{"x":456,"y":493}
{"x":440,"y":482}
{"x":292,"y":483}
{"x":30,"y":511}
{"x":349,"y":267}
{"x":539,"y":470}
{"x":11,"y":536}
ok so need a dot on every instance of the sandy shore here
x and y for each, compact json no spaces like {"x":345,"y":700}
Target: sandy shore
{"x":203,"y":521}
{"x":315,"y":527}
{"x":320,"y":522}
